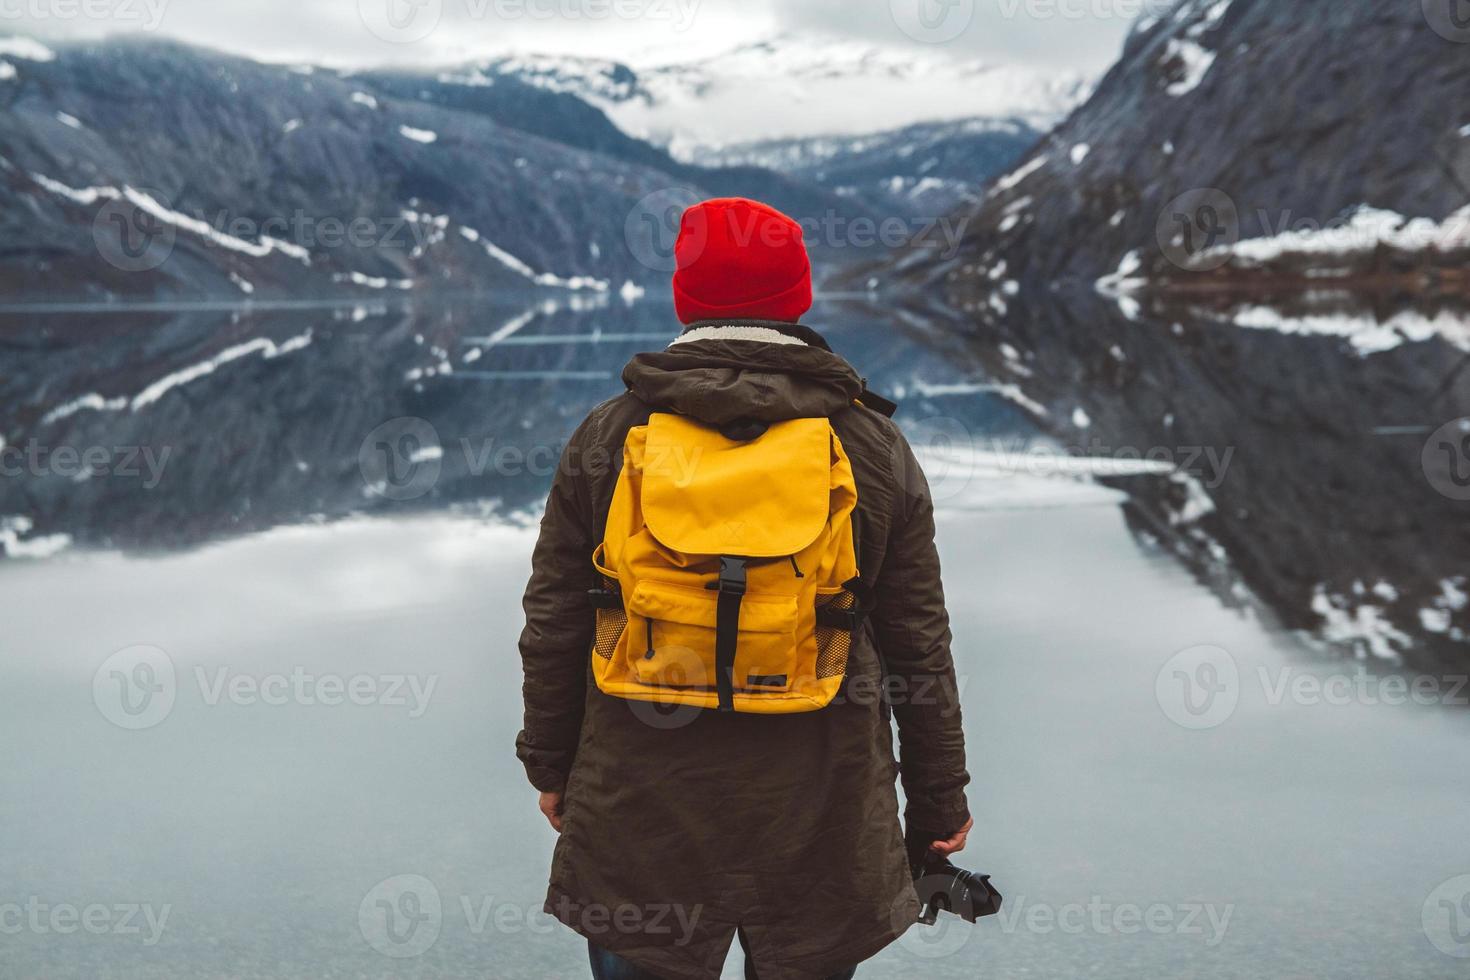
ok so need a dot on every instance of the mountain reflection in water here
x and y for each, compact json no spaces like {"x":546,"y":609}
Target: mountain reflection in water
{"x":1290,"y":470}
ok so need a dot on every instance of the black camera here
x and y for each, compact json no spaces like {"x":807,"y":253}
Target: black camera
{"x":942,"y":887}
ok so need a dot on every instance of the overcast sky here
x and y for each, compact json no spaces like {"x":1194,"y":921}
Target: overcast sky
{"x":1077,"y":34}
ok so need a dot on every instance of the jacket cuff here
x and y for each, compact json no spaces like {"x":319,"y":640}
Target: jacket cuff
{"x":941,"y":820}
{"x":547,"y":780}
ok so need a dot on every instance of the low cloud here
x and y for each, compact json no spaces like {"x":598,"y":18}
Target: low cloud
{"x":1067,"y":34}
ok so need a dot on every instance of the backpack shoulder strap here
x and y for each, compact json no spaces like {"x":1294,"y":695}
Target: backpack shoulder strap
{"x":876,"y":402}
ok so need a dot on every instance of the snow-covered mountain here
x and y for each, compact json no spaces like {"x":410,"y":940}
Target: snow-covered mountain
{"x":789,"y":86}
{"x":1253,"y":240}
{"x":925,"y":169}
{"x":505,"y":173}
{"x":154,"y":170}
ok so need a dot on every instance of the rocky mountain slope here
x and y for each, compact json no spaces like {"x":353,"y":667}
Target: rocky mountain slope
{"x":147,"y":170}
{"x":564,"y":118}
{"x":1232,"y":120}
{"x":890,"y":132}
{"x":1251,"y":241}
{"x":151,"y":170}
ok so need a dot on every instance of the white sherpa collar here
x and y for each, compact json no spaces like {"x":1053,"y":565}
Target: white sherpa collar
{"x":733,"y":331}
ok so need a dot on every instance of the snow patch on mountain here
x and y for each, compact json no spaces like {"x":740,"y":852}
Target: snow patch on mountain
{"x":373,"y":282}
{"x":1125,"y":279}
{"x":418,"y":135}
{"x":1365,"y":230}
{"x":1014,"y":178}
{"x":1360,"y":625}
{"x":594,"y":79}
{"x":26,"y":48}
{"x":90,"y":402}
{"x":1201,"y":17}
{"x":522,"y":269}
{"x":203,"y":229}
{"x":14,"y":544}
{"x":1197,"y":62}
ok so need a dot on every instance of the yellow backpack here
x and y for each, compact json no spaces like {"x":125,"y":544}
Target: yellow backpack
{"x":729,"y":574}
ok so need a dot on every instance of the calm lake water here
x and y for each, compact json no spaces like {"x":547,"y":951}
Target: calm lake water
{"x":1168,"y":782}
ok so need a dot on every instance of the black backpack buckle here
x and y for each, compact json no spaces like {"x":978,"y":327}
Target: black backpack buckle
{"x":732,"y":576}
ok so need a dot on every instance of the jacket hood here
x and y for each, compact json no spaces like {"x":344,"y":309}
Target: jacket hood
{"x":724,"y":373}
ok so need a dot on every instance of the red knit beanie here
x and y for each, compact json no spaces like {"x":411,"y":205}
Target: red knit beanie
{"x":740,"y":259}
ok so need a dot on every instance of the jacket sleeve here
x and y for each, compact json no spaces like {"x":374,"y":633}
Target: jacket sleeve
{"x":912,"y":627}
{"x":559,"y":624}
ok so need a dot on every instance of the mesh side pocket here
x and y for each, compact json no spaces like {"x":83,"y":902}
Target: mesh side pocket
{"x":833,"y":643}
{"x":610,"y":626}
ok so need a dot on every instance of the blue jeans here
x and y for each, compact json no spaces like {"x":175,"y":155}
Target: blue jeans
{"x":610,"y":966}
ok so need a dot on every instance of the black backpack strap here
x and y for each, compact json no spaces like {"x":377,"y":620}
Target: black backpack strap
{"x":849,"y":619}
{"x":852,"y":620}
{"x":876,"y":402}
{"x":605,"y":598}
{"x":731,"y":586}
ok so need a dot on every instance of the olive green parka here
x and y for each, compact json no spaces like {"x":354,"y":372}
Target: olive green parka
{"x":678,"y":830}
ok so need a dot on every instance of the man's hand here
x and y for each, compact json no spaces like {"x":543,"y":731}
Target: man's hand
{"x":550,"y":804}
{"x":955,"y":844}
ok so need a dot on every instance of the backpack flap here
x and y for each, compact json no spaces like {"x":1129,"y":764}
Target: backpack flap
{"x":705,"y":494}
